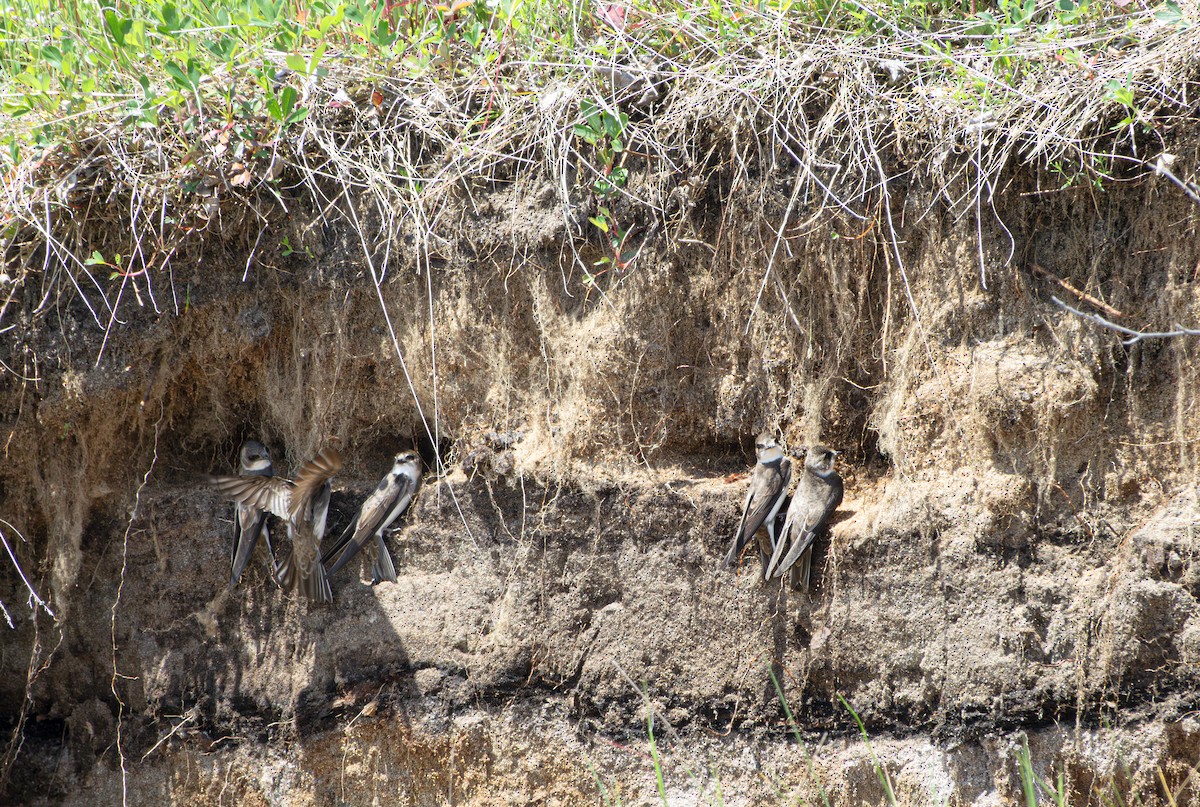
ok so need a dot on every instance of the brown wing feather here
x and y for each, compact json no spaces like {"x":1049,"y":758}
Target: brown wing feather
{"x":271,"y":493}
{"x":312,"y":475}
{"x":758,"y":510}
{"x":368,"y":522}
{"x":816,"y":501}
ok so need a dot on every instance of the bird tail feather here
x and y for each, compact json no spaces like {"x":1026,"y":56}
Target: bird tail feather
{"x":314,"y":585}
{"x":341,"y":552}
{"x":382,"y":567}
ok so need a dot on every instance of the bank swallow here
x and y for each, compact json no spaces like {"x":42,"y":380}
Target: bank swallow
{"x":304,"y":505}
{"x":818,"y":493}
{"x":768,"y":485}
{"x":389,"y":499}
{"x":250,"y":521}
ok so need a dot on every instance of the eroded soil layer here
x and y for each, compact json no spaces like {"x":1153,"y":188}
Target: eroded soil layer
{"x":1015,"y":553}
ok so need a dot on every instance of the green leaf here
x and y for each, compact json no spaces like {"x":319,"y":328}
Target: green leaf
{"x":16,"y":108}
{"x":118,"y":27}
{"x":267,"y":11}
{"x":296,"y":63}
{"x":287,"y":100}
{"x":330,"y":20}
{"x":599,"y":222}
{"x":177,"y":73}
{"x":171,"y":22}
{"x":96,"y":259}
{"x":1169,"y":13}
{"x":53,"y":55}
{"x":1120,"y":93}
{"x":223,"y":48}
{"x":38,"y":82}
{"x":382,"y":37}
{"x":592,"y":115}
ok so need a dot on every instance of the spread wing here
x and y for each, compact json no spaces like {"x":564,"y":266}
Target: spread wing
{"x":767,"y":486}
{"x":270,"y":493}
{"x":312,"y":475}
{"x":301,"y":568}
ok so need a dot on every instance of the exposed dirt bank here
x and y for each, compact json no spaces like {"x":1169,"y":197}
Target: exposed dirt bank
{"x":1015,"y":555}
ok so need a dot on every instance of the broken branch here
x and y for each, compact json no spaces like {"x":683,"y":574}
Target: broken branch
{"x":1134,"y":336}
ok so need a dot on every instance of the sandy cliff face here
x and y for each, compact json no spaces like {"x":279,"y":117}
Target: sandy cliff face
{"x":1013,"y":559}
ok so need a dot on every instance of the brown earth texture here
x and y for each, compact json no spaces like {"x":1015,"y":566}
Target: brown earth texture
{"x":1011,"y":584}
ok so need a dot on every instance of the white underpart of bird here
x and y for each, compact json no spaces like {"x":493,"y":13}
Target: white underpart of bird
{"x":390,"y":498}
{"x":768,"y":485}
{"x":818,"y":493}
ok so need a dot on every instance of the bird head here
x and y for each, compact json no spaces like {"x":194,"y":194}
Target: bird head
{"x":405,"y":460}
{"x":819,"y":459}
{"x":768,"y":448}
{"x":255,"y":456}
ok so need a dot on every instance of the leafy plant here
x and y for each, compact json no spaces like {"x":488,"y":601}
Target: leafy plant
{"x":1123,"y":95}
{"x":604,"y":130}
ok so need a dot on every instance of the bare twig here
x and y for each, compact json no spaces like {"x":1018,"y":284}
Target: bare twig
{"x":116,"y":675}
{"x":187,"y":718}
{"x":34,"y":599}
{"x":1134,"y":336}
{"x":1162,"y":166}
{"x":1082,"y":295}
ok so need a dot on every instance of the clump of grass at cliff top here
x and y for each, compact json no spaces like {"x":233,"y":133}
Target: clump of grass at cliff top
{"x":171,"y":107}
{"x":149,"y":64}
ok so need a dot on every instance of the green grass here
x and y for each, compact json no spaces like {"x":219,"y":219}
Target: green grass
{"x":885,"y":781}
{"x":184,"y":64}
{"x":1031,"y":783}
{"x":129,"y":130}
{"x":1117,"y":788}
{"x":795,"y":729}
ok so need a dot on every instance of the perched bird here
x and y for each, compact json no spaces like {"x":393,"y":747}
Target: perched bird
{"x":304,"y":505}
{"x":250,"y":521}
{"x":768,"y":484}
{"x":390,"y":498}
{"x":818,"y":493}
